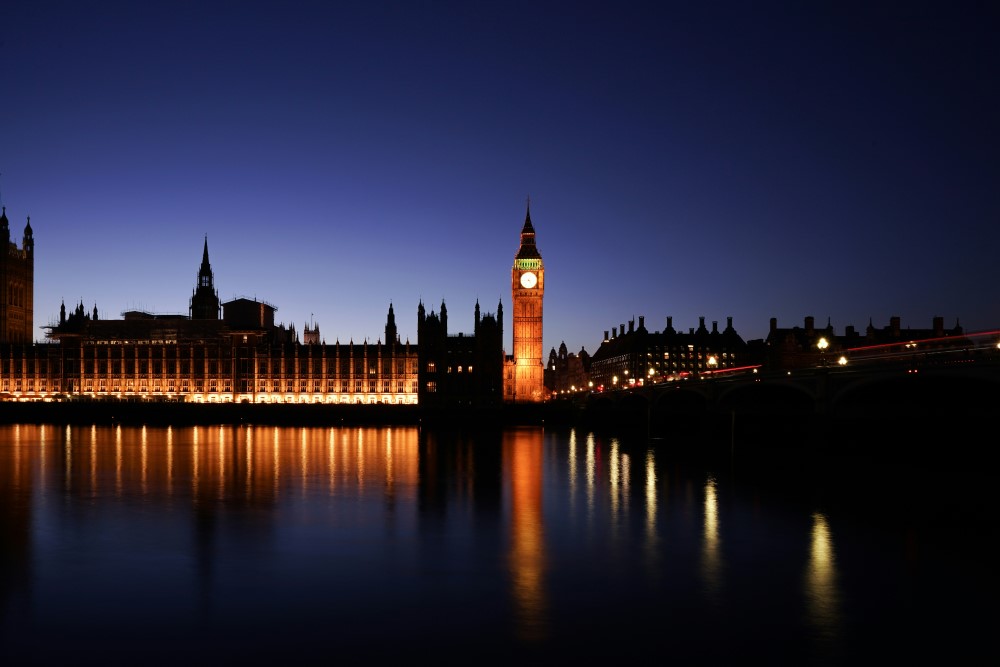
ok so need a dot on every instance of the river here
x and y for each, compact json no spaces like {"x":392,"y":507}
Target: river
{"x":244,"y":544}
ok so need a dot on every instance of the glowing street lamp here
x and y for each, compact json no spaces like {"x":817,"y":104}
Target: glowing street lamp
{"x":822,"y":344}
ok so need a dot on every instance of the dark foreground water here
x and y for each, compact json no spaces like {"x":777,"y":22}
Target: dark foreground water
{"x":250,"y":545}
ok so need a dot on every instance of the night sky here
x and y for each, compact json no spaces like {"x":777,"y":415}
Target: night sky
{"x":751,"y":160}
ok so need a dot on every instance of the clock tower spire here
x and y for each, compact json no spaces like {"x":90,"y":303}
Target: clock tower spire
{"x":526,"y":382}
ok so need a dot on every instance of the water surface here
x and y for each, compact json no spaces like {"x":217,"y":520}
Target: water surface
{"x":317,"y":545}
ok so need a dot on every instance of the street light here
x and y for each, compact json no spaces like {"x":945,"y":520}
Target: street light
{"x":822,"y":344}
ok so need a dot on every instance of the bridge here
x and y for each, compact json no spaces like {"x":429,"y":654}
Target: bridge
{"x":903,"y":396}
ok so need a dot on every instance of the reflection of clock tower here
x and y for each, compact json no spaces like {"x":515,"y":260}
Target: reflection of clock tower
{"x":527,"y":287}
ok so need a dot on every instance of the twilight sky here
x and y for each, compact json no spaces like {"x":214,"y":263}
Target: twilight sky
{"x":746,"y":159}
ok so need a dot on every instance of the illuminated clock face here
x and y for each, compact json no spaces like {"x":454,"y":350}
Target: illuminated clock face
{"x":528,"y":280}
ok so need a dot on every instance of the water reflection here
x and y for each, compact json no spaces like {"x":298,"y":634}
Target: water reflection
{"x":711,"y":555}
{"x":374,"y":539}
{"x":522,"y":456}
{"x":214,"y":464}
{"x":821,"y":581}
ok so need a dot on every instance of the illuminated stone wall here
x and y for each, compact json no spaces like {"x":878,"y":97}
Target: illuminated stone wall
{"x":210,"y":372}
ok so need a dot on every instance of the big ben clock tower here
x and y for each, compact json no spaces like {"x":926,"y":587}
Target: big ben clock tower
{"x":527,"y":289}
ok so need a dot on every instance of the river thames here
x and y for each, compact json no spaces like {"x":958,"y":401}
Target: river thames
{"x":243,"y":544}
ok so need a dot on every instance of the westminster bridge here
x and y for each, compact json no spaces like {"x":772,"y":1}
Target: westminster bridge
{"x":960,"y":396}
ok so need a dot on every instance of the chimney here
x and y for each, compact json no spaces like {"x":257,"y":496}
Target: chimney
{"x":715,"y":326}
{"x":606,"y":334}
{"x":729,"y":323}
{"x":938,"y":326}
{"x":810,"y":324}
{"x":631,"y":326}
{"x":894,"y":324}
{"x":774,"y":324}
{"x":642,"y":322}
{"x":621,"y":329}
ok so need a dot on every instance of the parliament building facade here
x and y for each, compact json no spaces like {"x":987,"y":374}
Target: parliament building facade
{"x":234,"y":351}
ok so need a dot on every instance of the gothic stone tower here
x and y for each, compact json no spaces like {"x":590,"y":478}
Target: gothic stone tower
{"x":205,"y":300}
{"x":527,"y":290}
{"x":17,"y":284}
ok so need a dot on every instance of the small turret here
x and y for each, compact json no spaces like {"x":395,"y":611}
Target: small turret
{"x":29,"y":238}
{"x":391,"y":337}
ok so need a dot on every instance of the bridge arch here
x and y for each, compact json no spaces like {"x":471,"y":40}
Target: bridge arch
{"x":768,"y":398}
{"x":917,"y":395}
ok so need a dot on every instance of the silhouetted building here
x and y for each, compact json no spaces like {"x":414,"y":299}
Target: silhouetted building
{"x":637,"y":356}
{"x":460,"y":368}
{"x":243,"y":356}
{"x":809,"y":346}
{"x":17,"y":284}
{"x":567,"y":372}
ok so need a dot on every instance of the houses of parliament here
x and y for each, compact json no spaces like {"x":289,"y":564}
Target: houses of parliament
{"x":234,"y":352}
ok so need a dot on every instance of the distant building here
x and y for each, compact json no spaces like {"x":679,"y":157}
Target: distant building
{"x":234,"y":352}
{"x":242,"y":356}
{"x":567,"y":372}
{"x":638,"y":356}
{"x":17,"y":284}
{"x":808,"y":346}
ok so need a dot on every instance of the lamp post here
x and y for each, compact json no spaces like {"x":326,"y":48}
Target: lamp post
{"x":822,"y":344}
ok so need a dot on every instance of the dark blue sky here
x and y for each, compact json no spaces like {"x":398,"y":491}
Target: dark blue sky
{"x":752,"y":160}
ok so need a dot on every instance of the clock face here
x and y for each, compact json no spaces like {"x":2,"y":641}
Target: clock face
{"x":528,"y":279}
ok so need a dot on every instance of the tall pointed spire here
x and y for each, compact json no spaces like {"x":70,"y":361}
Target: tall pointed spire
{"x":205,"y":300}
{"x":528,"y":250}
{"x":206,"y":267}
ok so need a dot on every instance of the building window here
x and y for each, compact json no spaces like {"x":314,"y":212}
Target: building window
{"x":432,"y":387}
